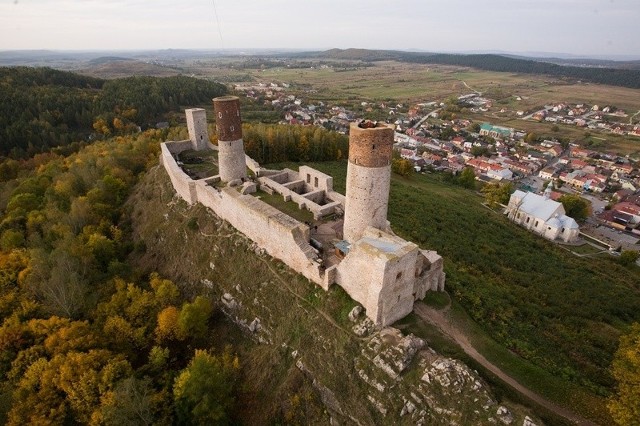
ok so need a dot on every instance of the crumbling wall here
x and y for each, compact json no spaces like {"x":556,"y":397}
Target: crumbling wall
{"x":181,"y":182}
{"x":277,"y":233}
{"x":293,"y":187}
{"x":316,"y":179}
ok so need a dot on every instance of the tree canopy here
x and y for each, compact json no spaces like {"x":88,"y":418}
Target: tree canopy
{"x":42,"y":108}
{"x":576,"y":207}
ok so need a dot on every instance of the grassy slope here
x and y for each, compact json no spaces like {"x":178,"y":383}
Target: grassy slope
{"x":296,"y":314}
{"x":560,"y":312}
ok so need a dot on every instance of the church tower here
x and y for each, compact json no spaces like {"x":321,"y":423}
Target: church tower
{"x":231,"y":157}
{"x":368,"y":178}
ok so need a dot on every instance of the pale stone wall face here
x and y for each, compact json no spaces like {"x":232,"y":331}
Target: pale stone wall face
{"x":316,"y":179}
{"x":181,"y":182}
{"x":278,"y":234}
{"x":388,"y":283}
{"x":197,"y":126}
{"x":231,"y":162}
{"x":366,"y":199}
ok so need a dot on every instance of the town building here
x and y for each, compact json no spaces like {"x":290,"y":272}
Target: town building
{"x":542,"y":215}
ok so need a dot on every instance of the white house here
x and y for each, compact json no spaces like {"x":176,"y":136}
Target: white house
{"x":500,"y":174}
{"x":542,"y":215}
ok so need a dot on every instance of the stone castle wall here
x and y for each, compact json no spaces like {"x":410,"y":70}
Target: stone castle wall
{"x":277,"y":233}
{"x":387,"y":274}
{"x":182,"y":183}
{"x":381,"y":271}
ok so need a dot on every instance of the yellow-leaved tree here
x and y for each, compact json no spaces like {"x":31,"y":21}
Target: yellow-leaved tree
{"x":625,"y":405}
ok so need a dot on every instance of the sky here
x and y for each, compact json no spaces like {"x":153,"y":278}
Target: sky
{"x":578,"y":27}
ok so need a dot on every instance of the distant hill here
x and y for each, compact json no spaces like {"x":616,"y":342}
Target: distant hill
{"x":625,"y":74}
{"x":114,"y":67}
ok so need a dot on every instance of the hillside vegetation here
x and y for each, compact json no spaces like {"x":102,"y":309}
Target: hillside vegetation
{"x":558,"y":311}
{"x":42,"y":108}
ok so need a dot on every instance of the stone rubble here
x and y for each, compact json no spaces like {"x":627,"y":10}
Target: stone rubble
{"x":355,"y":313}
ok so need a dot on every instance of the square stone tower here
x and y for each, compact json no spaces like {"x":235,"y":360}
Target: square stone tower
{"x":197,"y":125}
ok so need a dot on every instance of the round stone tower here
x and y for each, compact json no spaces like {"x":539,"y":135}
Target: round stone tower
{"x":368,"y":178}
{"x":231,"y":158}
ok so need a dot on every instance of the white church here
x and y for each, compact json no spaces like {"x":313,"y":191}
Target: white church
{"x":542,"y":215}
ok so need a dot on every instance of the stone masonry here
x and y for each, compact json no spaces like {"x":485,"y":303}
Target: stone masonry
{"x":368,"y":179}
{"x":379,"y":270}
{"x":231,"y":157}
{"x":197,"y":126}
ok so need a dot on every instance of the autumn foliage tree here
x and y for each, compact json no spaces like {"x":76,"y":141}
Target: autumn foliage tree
{"x":625,"y":405}
{"x":203,"y":392}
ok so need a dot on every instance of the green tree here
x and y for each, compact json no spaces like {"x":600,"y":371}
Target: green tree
{"x":497,"y":193}
{"x":132,"y":402}
{"x":203,"y":392}
{"x":629,"y":257}
{"x":624,"y":406}
{"x":467,"y":178}
{"x":478,"y":151}
{"x":402,"y":166}
{"x":194,"y":317}
{"x":576,"y":207}
{"x":531,"y":137}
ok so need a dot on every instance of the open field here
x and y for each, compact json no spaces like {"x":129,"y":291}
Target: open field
{"x":419,"y":83}
{"x":413,"y":83}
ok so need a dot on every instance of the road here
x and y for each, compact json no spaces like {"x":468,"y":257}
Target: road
{"x":470,"y":88}
{"x":423,"y":119}
{"x":441,"y":319}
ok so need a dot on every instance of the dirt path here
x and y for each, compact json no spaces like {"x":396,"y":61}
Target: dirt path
{"x":441,"y":319}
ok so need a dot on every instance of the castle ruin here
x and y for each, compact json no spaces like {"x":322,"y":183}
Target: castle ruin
{"x":350,"y":242}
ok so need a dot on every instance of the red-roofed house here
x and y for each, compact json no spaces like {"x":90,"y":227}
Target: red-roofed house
{"x":630,"y":209}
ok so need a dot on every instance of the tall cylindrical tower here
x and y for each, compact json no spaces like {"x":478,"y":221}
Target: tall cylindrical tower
{"x":231,"y":158}
{"x":368,"y":178}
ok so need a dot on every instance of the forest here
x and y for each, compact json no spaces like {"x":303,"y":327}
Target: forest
{"x":276,"y":143}
{"x":84,"y":338}
{"x":43,"y":108}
